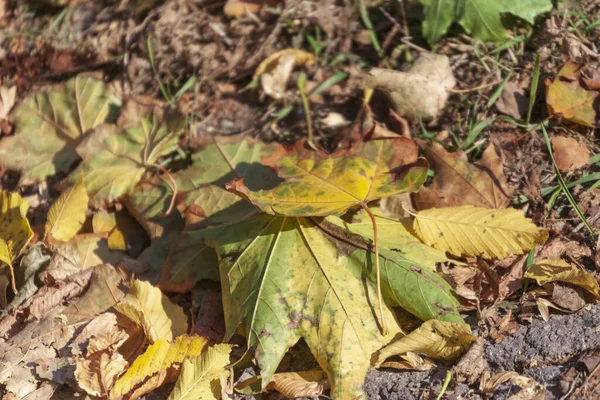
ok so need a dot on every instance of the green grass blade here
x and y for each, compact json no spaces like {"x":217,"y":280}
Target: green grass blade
{"x":534,"y":86}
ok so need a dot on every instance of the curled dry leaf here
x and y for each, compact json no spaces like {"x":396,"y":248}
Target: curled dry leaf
{"x":148,"y":307}
{"x":299,"y":384}
{"x":530,"y":389}
{"x":410,"y":361}
{"x":437,"y":339}
{"x":275,"y":70}
{"x":421,"y":92}
{"x":572,"y":96}
{"x":569,"y":153}
{"x":472,"y":364}
{"x":513,"y":101}
{"x":558,"y":270}
{"x":458,"y":182}
{"x":470,"y":231}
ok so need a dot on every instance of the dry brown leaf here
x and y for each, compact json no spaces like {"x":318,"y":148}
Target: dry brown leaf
{"x":421,"y":92}
{"x":569,"y":153}
{"x":530,"y":389}
{"x":472,"y":364}
{"x":458,"y":182}
{"x":275,"y":70}
{"x":98,"y":373}
{"x":7,"y":99}
{"x":513,"y":100}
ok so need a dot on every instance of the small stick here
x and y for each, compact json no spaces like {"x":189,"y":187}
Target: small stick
{"x":377,"y":269}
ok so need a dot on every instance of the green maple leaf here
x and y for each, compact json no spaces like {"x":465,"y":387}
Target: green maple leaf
{"x":480,"y":18}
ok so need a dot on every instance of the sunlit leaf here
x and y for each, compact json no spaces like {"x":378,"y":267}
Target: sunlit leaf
{"x":557,"y":270}
{"x":148,"y":307}
{"x":481,"y":232}
{"x":67,"y":214}
{"x":199,"y":377}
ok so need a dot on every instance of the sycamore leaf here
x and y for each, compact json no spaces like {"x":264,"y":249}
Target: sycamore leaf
{"x":571,"y":96}
{"x":480,"y":18}
{"x":199,"y":377}
{"x":148,"y":307}
{"x":50,"y":124}
{"x":318,"y":185}
{"x":437,"y":339}
{"x":458,"y":182}
{"x":299,"y":384}
{"x":284,"y":279}
{"x":147,"y":133}
{"x":15,"y":231}
{"x":393,"y":235}
{"x":67,"y":214}
{"x":160,"y":364}
{"x":557,"y":270}
{"x":470,"y":231}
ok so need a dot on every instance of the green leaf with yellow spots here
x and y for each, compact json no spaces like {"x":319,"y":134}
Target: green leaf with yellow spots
{"x":286,"y":278}
{"x":316,"y":184}
{"x":15,"y":231}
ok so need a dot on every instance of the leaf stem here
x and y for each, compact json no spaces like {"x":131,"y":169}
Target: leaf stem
{"x":173,"y":187}
{"x":377,"y":269}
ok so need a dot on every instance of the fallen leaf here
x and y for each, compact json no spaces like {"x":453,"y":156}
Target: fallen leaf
{"x":421,"y":92}
{"x":570,"y":97}
{"x":319,"y":185}
{"x":569,"y":153}
{"x":558,"y":270}
{"x":410,"y":361}
{"x":513,"y":101}
{"x":67,"y":214}
{"x":275,"y":70}
{"x":50,"y":124}
{"x":458,"y":182}
{"x":530,"y":389}
{"x":240,"y":8}
{"x":104,"y":221}
{"x":147,"y":133}
{"x":15,"y":231}
{"x":199,"y":377}
{"x":93,"y":250}
{"x":470,"y":231}
{"x":472,"y":364}
{"x":158,"y":365}
{"x":437,"y":339}
{"x":299,"y":384}
{"x":127,"y":235}
{"x":148,"y":307}
{"x":8,"y":95}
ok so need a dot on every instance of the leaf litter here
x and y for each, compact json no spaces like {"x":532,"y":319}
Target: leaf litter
{"x":288,"y":233}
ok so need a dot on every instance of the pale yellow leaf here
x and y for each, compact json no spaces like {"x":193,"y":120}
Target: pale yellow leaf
{"x":150,"y":308}
{"x":159,"y":364}
{"x":299,"y":384}
{"x":67,"y":214}
{"x":104,"y":221}
{"x":471,"y":231}
{"x":557,"y":270}
{"x":437,"y":339}
{"x":200,"y":378}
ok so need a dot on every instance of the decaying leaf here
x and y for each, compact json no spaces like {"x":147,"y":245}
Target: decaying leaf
{"x":200,"y":378}
{"x":513,"y":101}
{"x":421,"y":92}
{"x":160,"y":364}
{"x":275,"y":70}
{"x":437,"y":339}
{"x":458,"y":182}
{"x":15,"y":231}
{"x":319,"y":185}
{"x":50,"y":124}
{"x":93,"y":250}
{"x":148,"y":307}
{"x":573,"y":97}
{"x":299,"y":384}
{"x":8,"y":95}
{"x":410,"y":361}
{"x":481,"y":232}
{"x":530,"y":389}
{"x":569,"y":153}
{"x":147,"y":133}
{"x":67,"y":214}
{"x":558,"y":270}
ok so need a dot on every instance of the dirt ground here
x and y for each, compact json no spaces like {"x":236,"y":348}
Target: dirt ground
{"x":203,"y":62}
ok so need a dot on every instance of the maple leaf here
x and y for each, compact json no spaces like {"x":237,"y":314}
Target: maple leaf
{"x":49,"y":126}
{"x":147,"y":133}
{"x":572,"y":96}
{"x":319,"y":185}
{"x":458,"y":182}
{"x":284,"y":279}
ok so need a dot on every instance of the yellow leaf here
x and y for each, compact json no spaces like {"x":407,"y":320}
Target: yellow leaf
{"x":150,"y":308}
{"x":299,"y":384}
{"x":67,"y":214}
{"x":471,"y":231}
{"x":159,"y":365}
{"x":437,"y":339}
{"x":270,"y":63}
{"x":15,"y":231}
{"x":557,"y":270}
{"x":104,"y":221}
{"x":200,"y":379}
